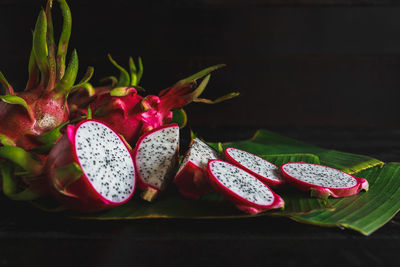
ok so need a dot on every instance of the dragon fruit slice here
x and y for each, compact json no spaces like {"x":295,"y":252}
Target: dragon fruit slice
{"x":264,"y":170}
{"x":191,"y":178}
{"x":42,"y":106}
{"x":90,"y":168}
{"x":321,"y":180}
{"x":155,"y":157}
{"x":247,"y":192}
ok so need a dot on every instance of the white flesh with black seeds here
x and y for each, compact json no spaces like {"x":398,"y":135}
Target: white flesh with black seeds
{"x":242,"y":183}
{"x":199,"y":153}
{"x":156,"y":156}
{"x":320,"y":175}
{"x":255,"y":164}
{"x":105,"y":161}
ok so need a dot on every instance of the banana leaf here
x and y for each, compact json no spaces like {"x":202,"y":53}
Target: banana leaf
{"x":365,"y":212}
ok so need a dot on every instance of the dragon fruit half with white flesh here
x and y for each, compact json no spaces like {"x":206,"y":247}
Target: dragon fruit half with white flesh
{"x":191,"y":178}
{"x":155,"y":156}
{"x":90,"y":168}
{"x":322,"y":181}
{"x":247,"y":192}
{"x":264,"y":170}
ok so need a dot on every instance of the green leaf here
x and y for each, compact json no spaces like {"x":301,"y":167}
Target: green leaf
{"x":124,"y":78}
{"x":21,"y":158}
{"x":179,"y":117}
{"x":367,"y":211}
{"x":16,"y":100}
{"x":121,"y":91}
{"x":51,"y":46}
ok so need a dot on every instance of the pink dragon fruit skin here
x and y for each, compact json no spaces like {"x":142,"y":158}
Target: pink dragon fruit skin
{"x":47,"y":113}
{"x":77,"y":193}
{"x":320,"y":191}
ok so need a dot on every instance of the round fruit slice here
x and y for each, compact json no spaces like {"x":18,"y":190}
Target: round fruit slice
{"x":321,"y":180}
{"x":247,"y":192}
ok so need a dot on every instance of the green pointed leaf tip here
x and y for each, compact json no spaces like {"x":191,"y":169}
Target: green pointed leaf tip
{"x":40,"y":45}
{"x":67,"y":82}
{"x":6,"y":141}
{"x":121,"y":91}
{"x":8,"y":88}
{"x":50,"y":137}
{"x":136,"y":73}
{"x":64,"y":38}
{"x":124,"y":79}
{"x":88,"y":75}
{"x":89,"y":113}
{"x":199,"y":74}
{"x":21,"y":158}
{"x":51,"y":46}
{"x":16,"y":100}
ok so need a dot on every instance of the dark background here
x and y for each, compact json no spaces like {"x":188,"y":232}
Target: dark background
{"x":326,"y":72}
{"x":296,"y":63}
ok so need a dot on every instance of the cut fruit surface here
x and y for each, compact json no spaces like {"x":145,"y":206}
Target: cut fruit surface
{"x":246,"y":191}
{"x":155,"y":157}
{"x":322,"y":181}
{"x":264,"y":170}
{"x":191,"y":178}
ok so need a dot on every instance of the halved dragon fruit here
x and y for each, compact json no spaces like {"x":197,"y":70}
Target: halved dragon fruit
{"x":191,"y":178}
{"x":247,"y":192}
{"x":155,"y":156}
{"x":264,"y":170}
{"x":91,"y":168}
{"x":322,"y":181}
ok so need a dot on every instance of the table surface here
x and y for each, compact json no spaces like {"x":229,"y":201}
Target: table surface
{"x":31,"y":237}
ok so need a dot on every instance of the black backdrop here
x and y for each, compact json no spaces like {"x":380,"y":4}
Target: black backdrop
{"x":296,"y":63}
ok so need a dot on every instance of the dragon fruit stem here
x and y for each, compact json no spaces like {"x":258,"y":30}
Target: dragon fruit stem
{"x":64,"y":39}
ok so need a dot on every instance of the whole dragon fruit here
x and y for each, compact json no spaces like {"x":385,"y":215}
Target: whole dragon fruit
{"x":322,"y":181}
{"x":130,"y":114}
{"x":42,"y":105}
{"x":90,"y":168}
